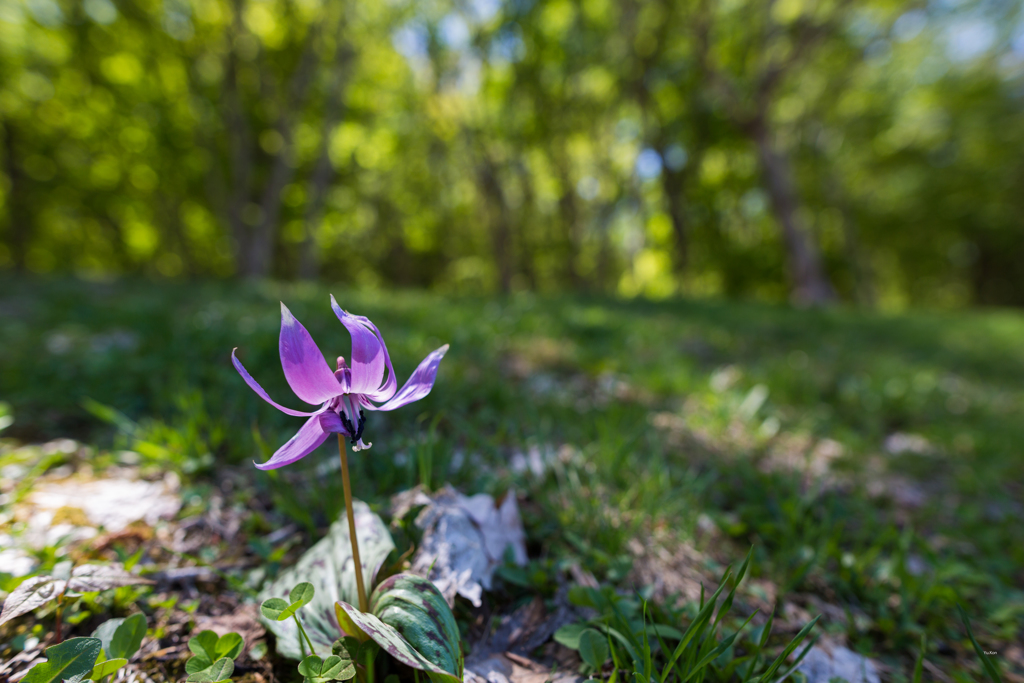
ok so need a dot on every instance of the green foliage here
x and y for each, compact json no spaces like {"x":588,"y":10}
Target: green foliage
{"x":638,"y":413}
{"x":318,"y":580}
{"x":106,"y":668}
{"x":213,"y":656}
{"x":415,"y":608}
{"x":69,"y":661}
{"x":391,"y":641}
{"x":218,"y":672}
{"x":990,"y":668}
{"x":593,"y":647}
{"x":409,"y":617}
{"x":585,"y":148}
{"x":333,"y":668}
{"x":703,"y":650}
{"x":122,"y":638}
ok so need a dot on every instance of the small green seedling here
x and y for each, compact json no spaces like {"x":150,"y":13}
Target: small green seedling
{"x":214,"y":657}
{"x":279,"y":609}
{"x":340,"y":665}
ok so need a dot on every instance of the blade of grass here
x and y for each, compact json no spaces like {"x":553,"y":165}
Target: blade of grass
{"x":990,"y":668}
{"x":696,"y":626}
{"x":767,"y":675}
{"x":920,"y":662}
{"x":722,"y":647}
{"x":762,"y":641}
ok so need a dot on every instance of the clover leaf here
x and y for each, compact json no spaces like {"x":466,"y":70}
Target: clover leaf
{"x":334,"y":668}
{"x":213,"y":656}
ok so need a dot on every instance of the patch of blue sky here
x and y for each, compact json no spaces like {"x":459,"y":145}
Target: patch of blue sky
{"x":648,"y":164}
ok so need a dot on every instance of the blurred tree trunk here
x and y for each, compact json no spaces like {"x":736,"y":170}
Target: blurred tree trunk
{"x":748,"y":101}
{"x":808,"y":279}
{"x":673,"y":186}
{"x":568,"y":211}
{"x":255,"y":227}
{"x":527,"y":217}
{"x":323,"y":170}
{"x":499,"y":219}
{"x":265,"y":232}
{"x":240,"y":142}
{"x":19,"y":218}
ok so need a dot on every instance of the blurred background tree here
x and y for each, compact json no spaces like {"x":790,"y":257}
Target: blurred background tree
{"x":778,"y":149}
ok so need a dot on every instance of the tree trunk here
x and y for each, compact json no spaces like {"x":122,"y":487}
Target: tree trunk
{"x":501,"y":231}
{"x":568,"y":210}
{"x":261,"y":247}
{"x":239,"y":149}
{"x":807,"y":277}
{"x":323,"y":171}
{"x":672,"y":185}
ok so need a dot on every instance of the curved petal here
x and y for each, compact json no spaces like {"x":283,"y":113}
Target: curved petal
{"x":330,"y":422}
{"x":305,"y":441}
{"x":387,"y":390}
{"x":369,"y":356}
{"x":307,"y":372}
{"x":259,"y":390}
{"x":420,"y":384}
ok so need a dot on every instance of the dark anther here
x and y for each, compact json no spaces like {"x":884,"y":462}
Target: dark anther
{"x":362,"y":423}
{"x":347,"y":424}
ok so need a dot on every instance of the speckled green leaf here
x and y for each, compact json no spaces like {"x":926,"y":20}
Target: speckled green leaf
{"x":392,"y":642}
{"x":328,"y":567}
{"x":414,"y":607}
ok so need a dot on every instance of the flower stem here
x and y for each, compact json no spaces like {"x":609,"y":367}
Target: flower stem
{"x":364,"y":605}
{"x":312,"y":650}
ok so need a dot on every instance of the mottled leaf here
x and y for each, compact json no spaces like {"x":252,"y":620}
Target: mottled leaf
{"x":414,"y":607}
{"x":328,"y":566}
{"x":392,"y":642}
{"x":32,"y":593}
{"x":99,"y":577}
{"x":106,"y":668}
{"x":127,"y":637}
{"x":70,"y":661}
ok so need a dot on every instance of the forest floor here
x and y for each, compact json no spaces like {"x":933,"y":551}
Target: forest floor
{"x":873,"y":462}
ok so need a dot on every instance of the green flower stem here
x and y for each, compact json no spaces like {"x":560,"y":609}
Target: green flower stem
{"x":369,"y":667}
{"x":312,"y":651}
{"x":364,"y":604}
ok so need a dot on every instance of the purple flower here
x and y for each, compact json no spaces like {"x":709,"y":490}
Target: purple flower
{"x":341,"y":394}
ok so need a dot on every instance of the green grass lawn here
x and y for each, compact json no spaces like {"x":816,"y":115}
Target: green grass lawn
{"x":873,"y":462}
